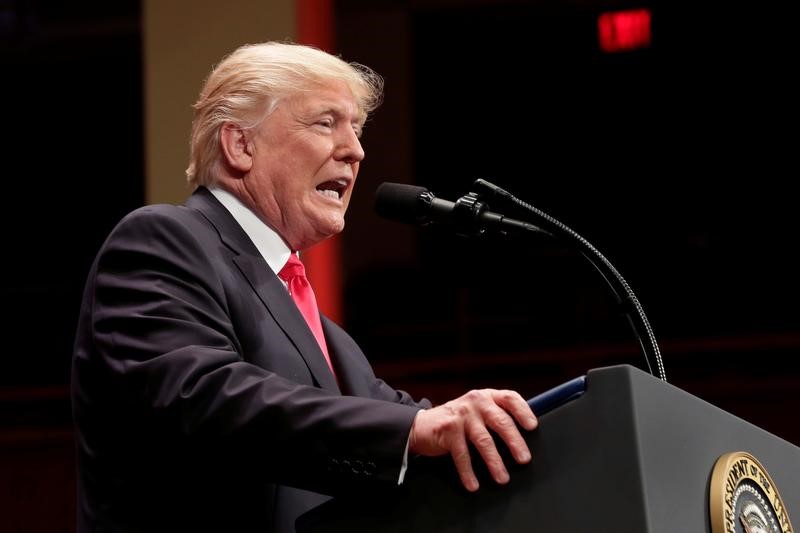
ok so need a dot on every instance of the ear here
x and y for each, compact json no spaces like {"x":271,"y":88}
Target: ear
{"x":235,"y":147}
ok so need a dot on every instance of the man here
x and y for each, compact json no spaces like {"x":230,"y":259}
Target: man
{"x":203,"y":399}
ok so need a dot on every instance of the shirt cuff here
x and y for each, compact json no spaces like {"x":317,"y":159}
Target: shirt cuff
{"x":404,"y":466}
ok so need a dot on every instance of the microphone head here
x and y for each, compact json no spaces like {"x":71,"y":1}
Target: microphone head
{"x":402,"y":202}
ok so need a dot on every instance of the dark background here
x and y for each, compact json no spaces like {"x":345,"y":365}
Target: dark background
{"x":675,"y":161}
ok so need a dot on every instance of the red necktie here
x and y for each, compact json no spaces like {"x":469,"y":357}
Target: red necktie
{"x":294,"y":274}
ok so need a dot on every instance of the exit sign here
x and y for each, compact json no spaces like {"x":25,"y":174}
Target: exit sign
{"x":619,"y":31}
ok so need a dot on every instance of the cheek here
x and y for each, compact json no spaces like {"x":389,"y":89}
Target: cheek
{"x":349,"y":193}
{"x":346,"y":198}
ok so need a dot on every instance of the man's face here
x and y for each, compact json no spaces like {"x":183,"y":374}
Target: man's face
{"x":306,"y":155}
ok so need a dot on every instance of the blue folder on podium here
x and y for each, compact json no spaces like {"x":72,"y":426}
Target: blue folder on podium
{"x":549,"y":400}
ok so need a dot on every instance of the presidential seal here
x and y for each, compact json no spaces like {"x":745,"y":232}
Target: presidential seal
{"x":744,"y":499}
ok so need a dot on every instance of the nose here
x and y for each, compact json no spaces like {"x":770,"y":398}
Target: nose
{"x":349,"y":147}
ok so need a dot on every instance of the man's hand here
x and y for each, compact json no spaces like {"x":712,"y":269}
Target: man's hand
{"x":449,"y":428}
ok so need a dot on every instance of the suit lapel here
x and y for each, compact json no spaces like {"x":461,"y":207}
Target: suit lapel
{"x":266,"y":284}
{"x":343,"y":351}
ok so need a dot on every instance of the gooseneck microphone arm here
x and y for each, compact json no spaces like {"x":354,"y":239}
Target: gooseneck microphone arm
{"x":619,"y":287}
{"x":469,"y":216}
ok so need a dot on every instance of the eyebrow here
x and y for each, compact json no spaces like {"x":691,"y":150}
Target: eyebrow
{"x":340,"y":112}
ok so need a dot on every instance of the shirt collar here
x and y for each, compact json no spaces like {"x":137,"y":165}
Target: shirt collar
{"x":269,"y":244}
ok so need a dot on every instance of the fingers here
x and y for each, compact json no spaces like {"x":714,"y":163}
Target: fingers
{"x":463,"y":462}
{"x":485,"y":445}
{"x":516,"y":405}
{"x":504,"y":426}
{"x":470,"y":419}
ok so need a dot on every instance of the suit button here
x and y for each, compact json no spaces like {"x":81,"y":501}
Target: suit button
{"x":369,"y":468}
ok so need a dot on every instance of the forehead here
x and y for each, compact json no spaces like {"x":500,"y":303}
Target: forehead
{"x":327,"y":96}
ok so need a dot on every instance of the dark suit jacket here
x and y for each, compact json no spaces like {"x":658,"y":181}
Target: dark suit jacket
{"x":202,"y":401}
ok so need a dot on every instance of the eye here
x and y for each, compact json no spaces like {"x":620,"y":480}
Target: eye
{"x":325,"y":122}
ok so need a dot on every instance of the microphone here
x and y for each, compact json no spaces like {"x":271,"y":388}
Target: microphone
{"x":468,"y":216}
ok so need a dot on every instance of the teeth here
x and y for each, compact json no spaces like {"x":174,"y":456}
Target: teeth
{"x":333,"y":189}
{"x":329,"y":193}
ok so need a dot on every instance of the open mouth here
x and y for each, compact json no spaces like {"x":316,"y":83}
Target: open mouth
{"x":333,"y":189}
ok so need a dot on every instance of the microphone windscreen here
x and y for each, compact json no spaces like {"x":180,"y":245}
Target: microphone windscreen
{"x":400,"y":202}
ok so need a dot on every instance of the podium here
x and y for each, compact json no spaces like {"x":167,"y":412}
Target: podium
{"x":633,"y":454}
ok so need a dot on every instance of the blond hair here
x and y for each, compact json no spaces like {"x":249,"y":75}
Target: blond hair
{"x":247,"y":85}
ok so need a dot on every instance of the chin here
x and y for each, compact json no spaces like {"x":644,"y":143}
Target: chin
{"x":322,"y":232}
{"x":335,"y":229}
{"x":332,"y":225}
